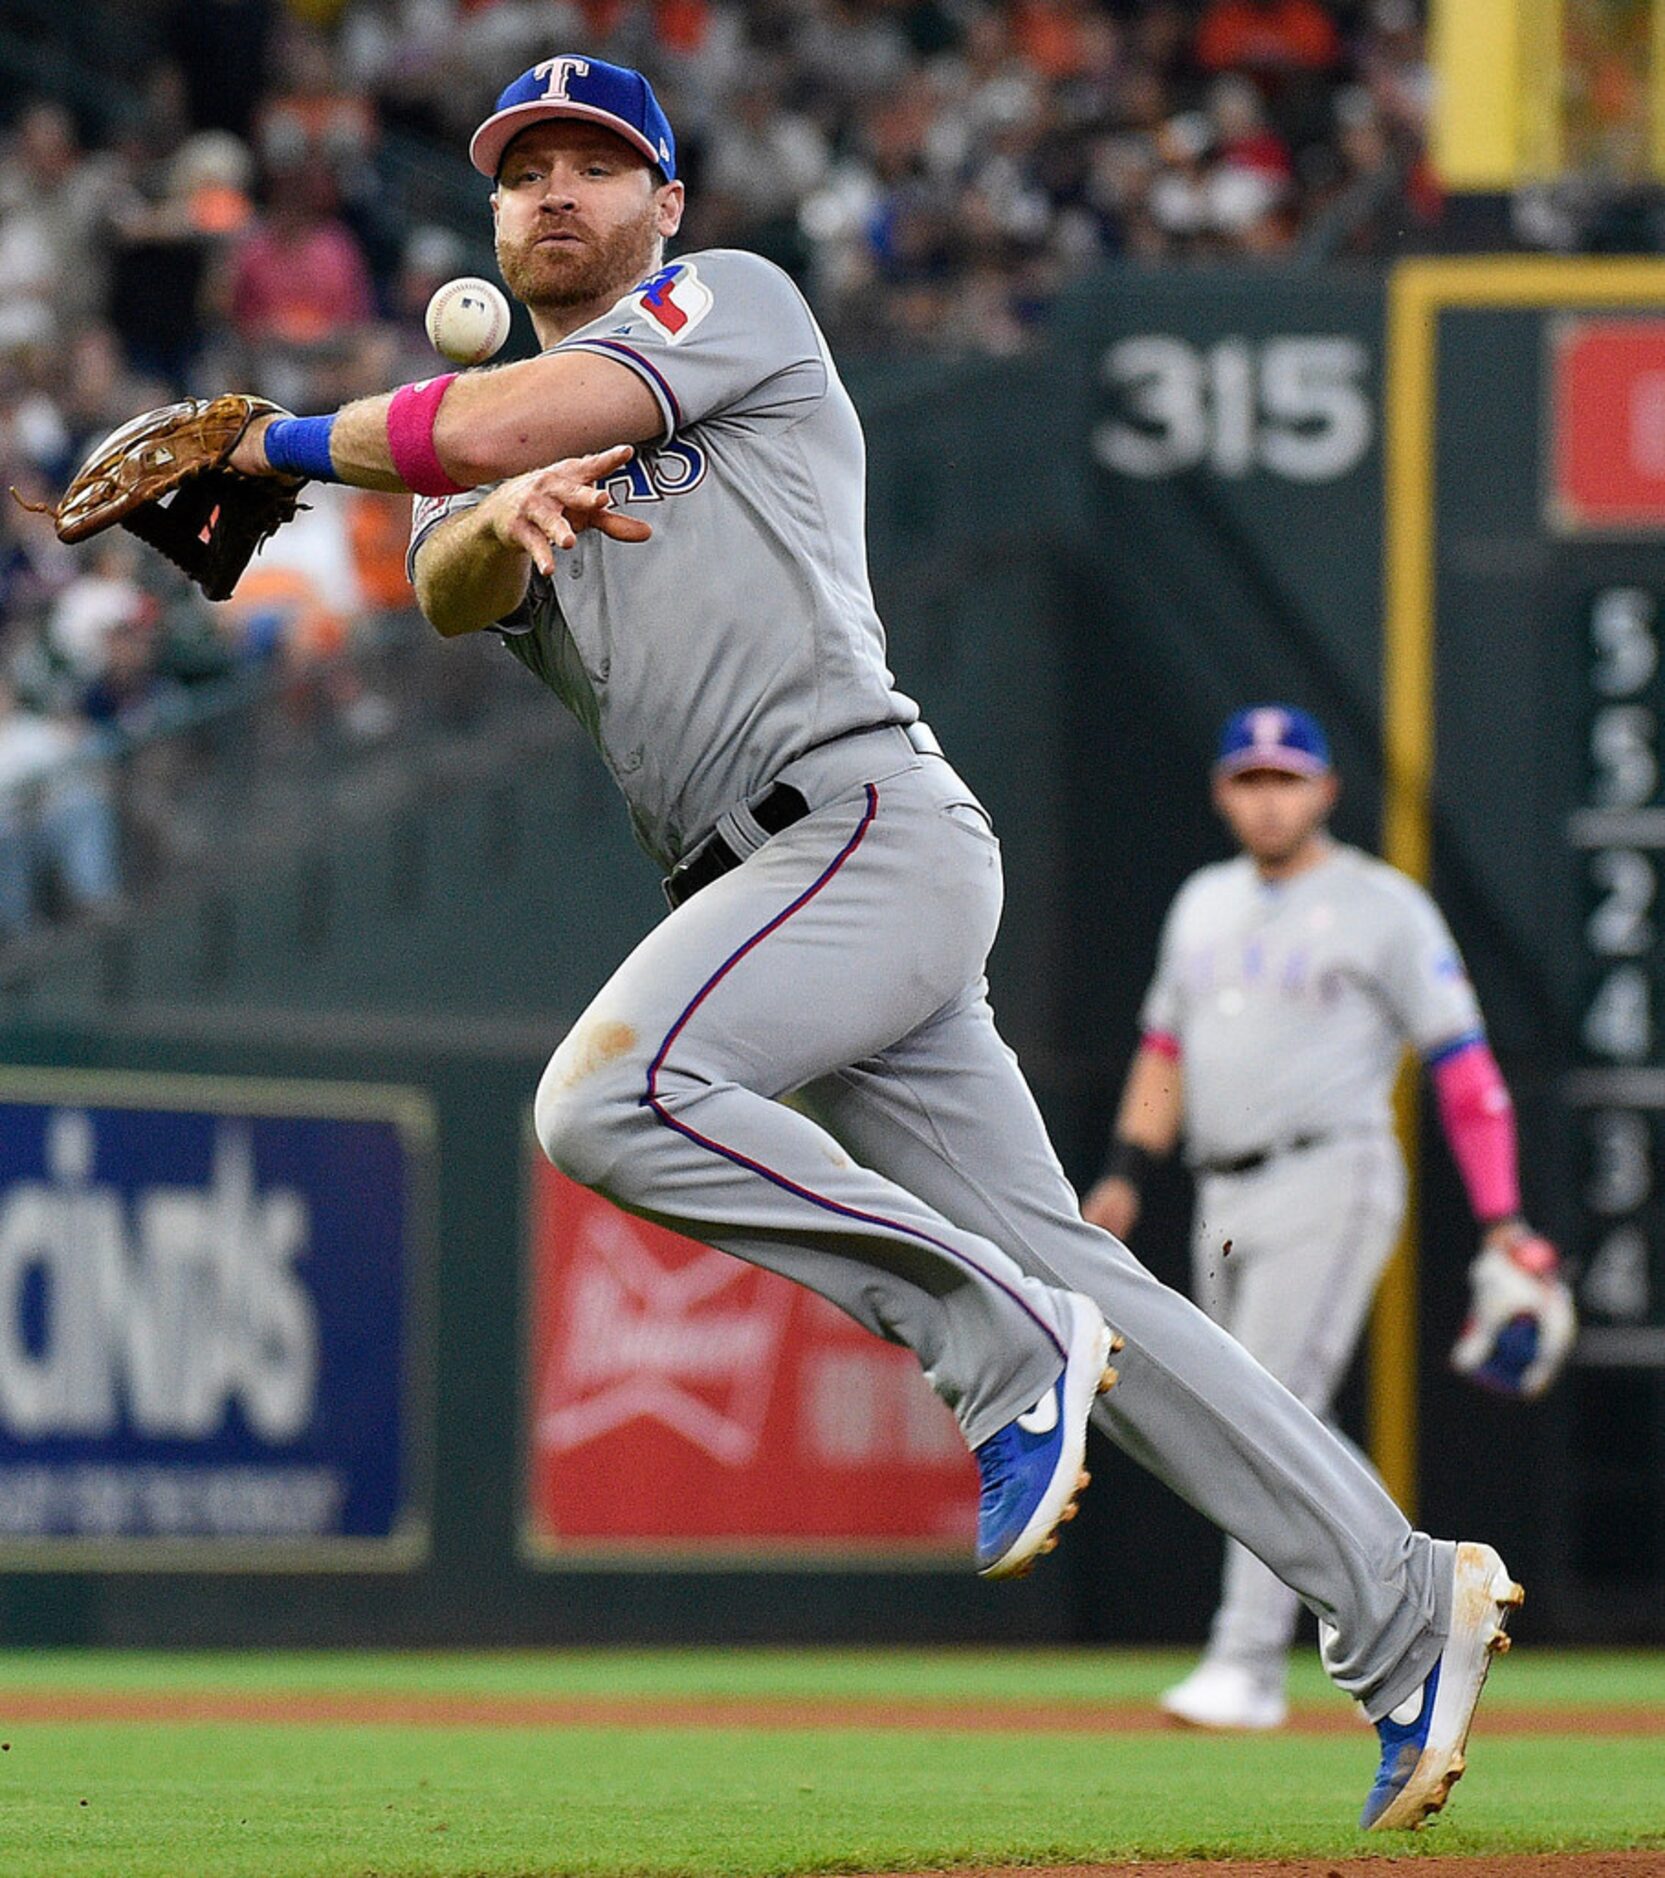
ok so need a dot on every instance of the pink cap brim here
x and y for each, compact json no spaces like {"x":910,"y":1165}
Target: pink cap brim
{"x":1294,"y":762}
{"x":486,"y":146}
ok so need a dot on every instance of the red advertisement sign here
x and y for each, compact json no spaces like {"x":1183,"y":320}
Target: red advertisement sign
{"x":680,"y":1400}
{"x":1608,"y":439}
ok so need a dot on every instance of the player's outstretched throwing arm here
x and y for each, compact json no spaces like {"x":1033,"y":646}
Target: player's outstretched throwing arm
{"x":547,"y":432}
{"x":206,"y":480}
{"x":461,"y":429}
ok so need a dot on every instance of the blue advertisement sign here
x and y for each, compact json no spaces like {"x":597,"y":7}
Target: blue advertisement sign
{"x":206,"y":1324}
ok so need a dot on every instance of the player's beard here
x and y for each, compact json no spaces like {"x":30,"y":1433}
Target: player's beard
{"x":560,"y":277}
{"x":1283,"y":842}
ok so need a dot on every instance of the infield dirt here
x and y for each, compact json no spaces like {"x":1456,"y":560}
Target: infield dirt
{"x":1525,"y":1865}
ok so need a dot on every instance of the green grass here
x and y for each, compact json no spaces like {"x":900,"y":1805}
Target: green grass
{"x":1528,"y":1678}
{"x":200,"y":1801}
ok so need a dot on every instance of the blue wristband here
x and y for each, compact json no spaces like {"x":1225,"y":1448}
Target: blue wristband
{"x":300,"y":446}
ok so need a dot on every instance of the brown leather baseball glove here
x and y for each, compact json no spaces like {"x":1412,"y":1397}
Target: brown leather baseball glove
{"x":162,"y":476}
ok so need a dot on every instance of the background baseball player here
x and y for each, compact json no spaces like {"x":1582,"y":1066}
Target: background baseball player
{"x":1289,"y":983}
{"x":835,"y":888}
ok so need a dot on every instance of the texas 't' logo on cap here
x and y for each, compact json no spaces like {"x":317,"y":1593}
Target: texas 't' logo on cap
{"x":571,"y":86}
{"x":1273,"y":736}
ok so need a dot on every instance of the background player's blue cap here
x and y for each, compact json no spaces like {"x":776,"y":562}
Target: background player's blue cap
{"x":1273,"y":736}
{"x":570,"y":85}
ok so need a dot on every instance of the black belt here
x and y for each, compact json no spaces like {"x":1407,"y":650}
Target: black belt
{"x":1247,"y":1163}
{"x":778,"y":808}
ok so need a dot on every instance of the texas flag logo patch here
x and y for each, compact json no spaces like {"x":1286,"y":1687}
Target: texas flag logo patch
{"x":675,"y":300}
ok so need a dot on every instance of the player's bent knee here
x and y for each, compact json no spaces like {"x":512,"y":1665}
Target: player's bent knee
{"x":583,"y":1124}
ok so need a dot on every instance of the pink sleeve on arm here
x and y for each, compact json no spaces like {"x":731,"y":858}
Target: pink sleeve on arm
{"x":1160,"y":1043}
{"x":1479,"y":1122}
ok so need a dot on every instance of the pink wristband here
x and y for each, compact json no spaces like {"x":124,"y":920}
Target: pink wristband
{"x":410,"y":437}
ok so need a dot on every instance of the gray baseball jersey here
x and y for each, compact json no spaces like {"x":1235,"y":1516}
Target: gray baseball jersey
{"x":747,"y":635}
{"x":1290,"y":1005}
{"x":841,"y":958}
{"x":1292,"y":1002}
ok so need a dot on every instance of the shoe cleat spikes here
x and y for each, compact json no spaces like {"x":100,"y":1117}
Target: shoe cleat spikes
{"x":1425,"y":1756}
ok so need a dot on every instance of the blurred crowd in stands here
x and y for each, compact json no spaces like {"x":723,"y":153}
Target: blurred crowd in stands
{"x":933,"y":172}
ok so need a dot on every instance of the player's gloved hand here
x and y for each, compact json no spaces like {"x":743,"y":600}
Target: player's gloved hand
{"x":171,"y":476}
{"x":1521,"y":1321}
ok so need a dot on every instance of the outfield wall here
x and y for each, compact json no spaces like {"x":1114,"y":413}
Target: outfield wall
{"x":1428,"y":509}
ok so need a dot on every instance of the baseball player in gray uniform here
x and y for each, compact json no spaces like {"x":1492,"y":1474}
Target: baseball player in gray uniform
{"x":1289,"y":983}
{"x":835,"y":889}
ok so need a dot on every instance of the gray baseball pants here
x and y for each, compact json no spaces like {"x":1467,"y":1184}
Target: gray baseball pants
{"x":912,"y":1183}
{"x":1309,"y":1234}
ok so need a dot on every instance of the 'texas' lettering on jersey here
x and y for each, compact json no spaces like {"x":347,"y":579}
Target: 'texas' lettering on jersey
{"x":673,"y":469}
{"x":675,"y":300}
{"x":651,"y":475}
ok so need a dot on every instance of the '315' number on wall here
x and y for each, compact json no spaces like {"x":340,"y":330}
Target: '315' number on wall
{"x":1295,"y":406}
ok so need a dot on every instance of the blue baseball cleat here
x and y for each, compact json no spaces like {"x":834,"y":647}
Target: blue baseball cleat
{"x":1424,"y":1738}
{"x":1031,"y":1468}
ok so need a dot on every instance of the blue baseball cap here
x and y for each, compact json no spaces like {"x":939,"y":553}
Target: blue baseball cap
{"x":1273,"y":736}
{"x":572,"y":86}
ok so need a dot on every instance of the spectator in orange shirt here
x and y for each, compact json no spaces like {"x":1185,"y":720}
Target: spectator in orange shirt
{"x":1267,"y":38}
{"x":1053,"y":35}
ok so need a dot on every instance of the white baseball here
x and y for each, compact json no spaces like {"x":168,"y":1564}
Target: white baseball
{"x":468,"y":320}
